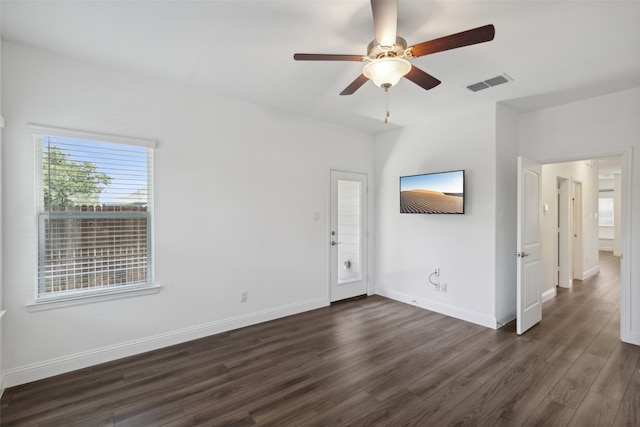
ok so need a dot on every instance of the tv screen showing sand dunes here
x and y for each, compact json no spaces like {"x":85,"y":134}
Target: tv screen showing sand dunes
{"x":433,"y":193}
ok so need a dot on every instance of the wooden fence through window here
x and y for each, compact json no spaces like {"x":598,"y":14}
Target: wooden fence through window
{"x":93,"y":247}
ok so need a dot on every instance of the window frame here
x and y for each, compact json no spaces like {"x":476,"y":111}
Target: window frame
{"x":42,"y":301}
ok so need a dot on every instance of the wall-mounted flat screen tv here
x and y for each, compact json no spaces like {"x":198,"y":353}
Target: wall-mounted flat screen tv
{"x":433,"y":193}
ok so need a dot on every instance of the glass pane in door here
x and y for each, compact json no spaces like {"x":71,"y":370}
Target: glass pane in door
{"x":349,"y":265}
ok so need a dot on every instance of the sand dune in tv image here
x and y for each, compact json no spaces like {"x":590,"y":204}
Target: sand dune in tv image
{"x":425,"y":201}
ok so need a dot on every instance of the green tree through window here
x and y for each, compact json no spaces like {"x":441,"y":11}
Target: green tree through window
{"x":68,"y":182}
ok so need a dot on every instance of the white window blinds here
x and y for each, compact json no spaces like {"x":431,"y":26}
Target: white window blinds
{"x":95,"y":215}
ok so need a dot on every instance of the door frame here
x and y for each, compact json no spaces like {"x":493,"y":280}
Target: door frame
{"x":365,"y":234}
{"x":626,"y":334}
{"x":563,"y":234}
{"x":577,"y":242}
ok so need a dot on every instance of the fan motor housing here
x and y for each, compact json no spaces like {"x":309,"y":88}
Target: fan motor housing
{"x":374,"y":50}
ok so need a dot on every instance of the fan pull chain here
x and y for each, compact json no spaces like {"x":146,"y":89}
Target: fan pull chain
{"x":386,"y":103}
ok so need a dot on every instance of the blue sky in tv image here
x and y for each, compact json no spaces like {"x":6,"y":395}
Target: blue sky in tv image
{"x":445,"y":182}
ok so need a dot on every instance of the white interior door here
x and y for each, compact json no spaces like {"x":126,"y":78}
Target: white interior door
{"x":529,"y":304}
{"x":348,"y":235}
{"x":576,"y":225}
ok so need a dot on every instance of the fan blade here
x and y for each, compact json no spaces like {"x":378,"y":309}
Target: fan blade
{"x":325,"y":57}
{"x":385,"y":21}
{"x":422,"y":79}
{"x":453,"y":41}
{"x":355,"y":85}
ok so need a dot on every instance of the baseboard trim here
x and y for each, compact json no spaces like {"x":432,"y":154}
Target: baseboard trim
{"x":547,"y":295}
{"x":438,"y":307}
{"x":48,"y":368}
{"x":505,"y":318}
{"x":591,"y":272}
{"x":631,"y":338}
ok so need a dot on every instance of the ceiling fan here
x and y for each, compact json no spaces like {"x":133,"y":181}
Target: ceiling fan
{"x":387,"y":56}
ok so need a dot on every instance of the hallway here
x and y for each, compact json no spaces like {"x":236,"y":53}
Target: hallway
{"x":600,"y":381}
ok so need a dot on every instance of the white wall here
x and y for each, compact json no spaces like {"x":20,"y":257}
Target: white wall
{"x":410,"y":246}
{"x":598,"y":127}
{"x":506,"y":212}
{"x":237,"y":189}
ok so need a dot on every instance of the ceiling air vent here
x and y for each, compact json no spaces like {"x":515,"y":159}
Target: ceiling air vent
{"x":494,"y":81}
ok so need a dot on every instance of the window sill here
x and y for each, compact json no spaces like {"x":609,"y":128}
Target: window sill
{"x":69,"y":301}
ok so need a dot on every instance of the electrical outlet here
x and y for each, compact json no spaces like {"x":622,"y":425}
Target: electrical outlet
{"x":443,"y":287}
{"x":243,"y":296}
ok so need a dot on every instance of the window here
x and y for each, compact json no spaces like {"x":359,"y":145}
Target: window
{"x":95,"y":208}
{"x":605,"y":208}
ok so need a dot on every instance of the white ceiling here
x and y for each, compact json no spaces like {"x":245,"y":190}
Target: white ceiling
{"x":609,"y":166}
{"x":556,"y":51}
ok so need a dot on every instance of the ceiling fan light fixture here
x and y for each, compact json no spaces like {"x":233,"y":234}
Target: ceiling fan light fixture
{"x":386,"y":71}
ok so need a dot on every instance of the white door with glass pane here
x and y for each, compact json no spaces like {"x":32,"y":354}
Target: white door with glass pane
{"x":348,"y":235}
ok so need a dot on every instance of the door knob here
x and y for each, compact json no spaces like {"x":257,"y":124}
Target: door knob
{"x":333,"y":243}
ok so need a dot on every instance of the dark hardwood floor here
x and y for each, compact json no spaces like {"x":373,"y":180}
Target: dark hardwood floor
{"x":366,"y":362}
